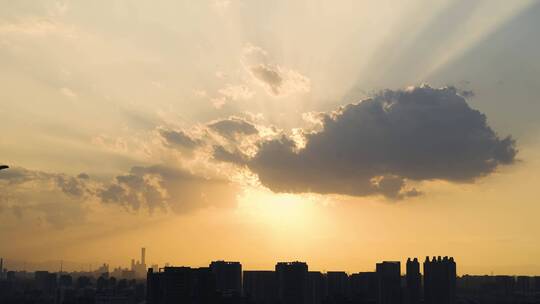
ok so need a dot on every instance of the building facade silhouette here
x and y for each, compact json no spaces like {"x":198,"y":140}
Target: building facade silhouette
{"x":317,"y":291}
{"x":292,"y":282}
{"x":180,"y":285}
{"x":364,"y":287}
{"x":440,"y":280}
{"x":337,"y":285}
{"x":389,"y":278}
{"x":260,"y":286}
{"x":413,"y":281}
{"x":228,"y":277}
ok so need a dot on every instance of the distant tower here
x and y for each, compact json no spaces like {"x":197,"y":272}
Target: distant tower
{"x":413,"y":280}
{"x":143,"y":257}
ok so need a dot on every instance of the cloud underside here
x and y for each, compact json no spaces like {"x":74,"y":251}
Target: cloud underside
{"x":61,"y":200}
{"x":377,"y":145}
{"x":179,"y":140}
{"x":160,"y":187}
{"x":277,"y":80}
{"x":233,"y":127}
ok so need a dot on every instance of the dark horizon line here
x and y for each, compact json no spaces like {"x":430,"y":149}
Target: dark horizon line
{"x":325,"y":271}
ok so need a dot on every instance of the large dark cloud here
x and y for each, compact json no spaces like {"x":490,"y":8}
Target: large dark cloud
{"x":375,"y":146}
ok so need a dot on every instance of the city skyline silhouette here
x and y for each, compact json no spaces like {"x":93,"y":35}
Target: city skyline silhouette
{"x":434,"y":280}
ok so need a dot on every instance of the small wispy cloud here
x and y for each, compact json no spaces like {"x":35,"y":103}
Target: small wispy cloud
{"x":237,"y":92}
{"x":68,"y":93}
{"x":277,"y":80}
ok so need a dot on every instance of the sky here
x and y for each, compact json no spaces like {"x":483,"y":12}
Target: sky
{"x":340,"y":133}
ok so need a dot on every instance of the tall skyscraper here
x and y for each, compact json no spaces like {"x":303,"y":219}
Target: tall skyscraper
{"x":440,"y":281}
{"x":228,"y":277}
{"x":389,"y":276}
{"x":292,"y":282}
{"x":143,"y":257}
{"x":413,"y":281}
{"x":139,"y":267}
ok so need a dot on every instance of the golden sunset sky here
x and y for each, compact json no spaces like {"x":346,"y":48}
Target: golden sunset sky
{"x":340,"y":133}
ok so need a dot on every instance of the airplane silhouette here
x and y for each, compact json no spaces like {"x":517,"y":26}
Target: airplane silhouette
{"x":2,"y":167}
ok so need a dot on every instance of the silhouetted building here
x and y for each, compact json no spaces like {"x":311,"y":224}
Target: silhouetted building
{"x":292,"y":282}
{"x":337,"y":283}
{"x":523,"y":284}
{"x":83,"y":282}
{"x":389,"y":277}
{"x":364,"y":287}
{"x":228,"y":277}
{"x":65,"y":280}
{"x":439,"y":281}
{"x":10,"y":276}
{"x":205,"y":285}
{"x":413,"y":282}
{"x":180,"y":285}
{"x":128,"y":274}
{"x":102,"y":270}
{"x":316,"y":287}
{"x":504,"y":285}
{"x":173,"y":285}
{"x":46,"y":281}
{"x":536,"y":284}
{"x":102,"y":283}
{"x":260,"y":286}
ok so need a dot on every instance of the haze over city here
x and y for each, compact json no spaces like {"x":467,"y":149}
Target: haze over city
{"x":337,"y":133}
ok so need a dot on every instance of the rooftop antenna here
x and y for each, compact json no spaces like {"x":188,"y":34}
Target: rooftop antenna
{"x":61,"y":264}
